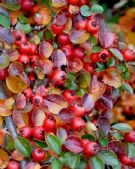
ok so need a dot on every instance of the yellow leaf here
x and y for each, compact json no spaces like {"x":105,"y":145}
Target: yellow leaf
{"x":4,"y":158}
{"x":1,"y":121}
{"x":58,"y":3}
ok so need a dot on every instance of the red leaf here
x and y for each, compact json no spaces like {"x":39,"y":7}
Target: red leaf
{"x":18,"y":119}
{"x":88,"y":101}
{"x":62,"y":134}
{"x":105,"y":102}
{"x":61,"y":18}
{"x":117,"y":146}
{"x":74,"y":144}
{"x":66,"y":115}
{"x":20,"y":101}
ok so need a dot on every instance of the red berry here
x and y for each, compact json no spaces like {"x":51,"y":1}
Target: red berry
{"x":33,"y":49}
{"x":38,"y":132}
{"x":78,"y":109}
{"x":128,"y":55}
{"x":59,"y":77}
{"x":94,"y":57}
{"x":27,"y":5}
{"x":78,"y":123}
{"x":130,"y":137}
{"x":34,"y":9}
{"x":79,"y":53}
{"x":28,"y":93}
{"x":50,"y":124}
{"x":38,"y":154}
{"x":25,"y":47}
{"x":104,"y":55}
{"x":23,"y":58}
{"x":92,"y":26}
{"x":85,"y":141}
{"x":57,"y":29}
{"x":37,"y":100}
{"x":63,"y":39}
{"x":73,"y":2}
{"x":124,"y":159}
{"x":13,"y":165}
{"x":19,"y":37}
{"x":3,"y":74}
{"x":26,"y":131}
{"x":70,"y":95}
{"x":91,"y":148}
{"x":68,"y":50}
{"x":83,"y":2}
{"x":81,"y":25}
{"x":88,"y":67}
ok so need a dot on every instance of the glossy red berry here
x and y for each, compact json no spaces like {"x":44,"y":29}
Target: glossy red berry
{"x":79,"y":53}
{"x":78,"y":123}
{"x":26,"y":131}
{"x":19,"y":38}
{"x":88,"y":67}
{"x":78,"y":109}
{"x":34,"y":9}
{"x":94,"y":57}
{"x":13,"y":165}
{"x":27,"y":5}
{"x":63,"y":39}
{"x":3,"y":74}
{"x":73,"y":2}
{"x":128,"y":55}
{"x":59,"y":77}
{"x":37,"y":100}
{"x":23,"y":58}
{"x":25,"y":47}
{"x":83,"y":2}
{"x":91,"y":148}
{"x":85,"y":141}
{"x":38,"y":132}
{"x":68,"y":50}
{"x":50,"y":124}
{"x":124,"y":159}
{"x":92,"y":26}
{"x":130,"y":137}
{"x":81,"y":25}
{"x":70,"y":95}
{"x":28,"y":93}
{"x":38,"y":154}
{"x":33,"y":49}
{"x":57,"y":29}
{"x":104,"y":55}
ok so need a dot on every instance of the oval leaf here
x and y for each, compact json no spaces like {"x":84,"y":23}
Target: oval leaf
{"x":116,"y":53}
{"x":88,"y":102}
{"x":96,"y":162}
{"x":4,"y":60}
{"x":45,"y":49}
{"x":56,"y":164}
{"x":122,"y":127}
{"x":104,"y":125}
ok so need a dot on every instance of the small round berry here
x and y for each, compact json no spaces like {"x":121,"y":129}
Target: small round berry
{"x":27,"y":5}
{"x":79,"y":53}
{"x":57,"y":29}
{"x":124,"y":159}
{"x":68,"y":49}
{"x":128,"y":55}
{"x":104,"y":55}
{"x":91,"y":148}
{"x":78,"y":109}
{"x":81,"y":25}
{"x":38,"y":132}
{"x":63,"y":39}
{"x":33,"y":49}
{"x":78,"y":123}
{"x":73,"y":2}
{"x":37,"y":100}
{"x":25,"y":47}
{"x":23,"y":58}
{"x":28,"y":93}
{"x":94,"y":57}
{"x":130,"y":137}
{"x":26,"y":131}
{"x":70,"y":95}
{"x":3,"y":74}
{"x":50,"y":124}
{"x":13,"y":165}
{"x":59,"y":77}
{"x":38,"y":154}
{"x":92,"y":26}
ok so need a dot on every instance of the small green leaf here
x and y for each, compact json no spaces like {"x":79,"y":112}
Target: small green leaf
{"x":54,"y":143}
{"x":117,"y":135}
{"x":40,"y":143}
{"x":122,"y":66}
{"x":126,"y":75}
{"x":12,"y":4}
{"x":89,"y":137}
{"x":127,"y":87}
{"x":116,"y":53}
{"x":4,"y":60}
{"x":84,"y":80}
{"x":25,"y":27}
{"x":101,"y":67}
{"x":82,"y":164}
{"x":131,"y":150}
{"x":96,"y":162}
{"x":47,"y":2}
{"x":71,"y":85}
{"x":96,"y":49}
{"x":56,"y":164}
{"x":108,"y":157}
{"x":85,"y":10}
{"x":71,"y":76}
{"x":122,"y":127}
{"x":97,"y":9}
{"x":117,"y":166}
{"x":111,"y":62}
{"x":93,"y":40}
{"x":8,"y":142}
{"x":5,"y":21}
{"x":73,"y":161}
{"x":48,"y":34}
{"x":23,"y":19}
{"x":23,"y":146}
{"x":103,"y":141}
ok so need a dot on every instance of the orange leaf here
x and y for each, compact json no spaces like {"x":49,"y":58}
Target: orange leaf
{"x":45,"y":49}
{"x":16,"y":155}
{"x":58,"y":3}
{"x":4,"y":111}
{"x":18,"y":119}
{"x":4,"y":158}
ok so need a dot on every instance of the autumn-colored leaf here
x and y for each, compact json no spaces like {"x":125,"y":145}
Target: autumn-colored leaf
{"x":4,"y":111}
{"x":46,"y":66}
{"x":16,"y":155}
{"x":4,"y":158}
{"x":38,"y":117}
{"x":68,"y":26}
{"x":75,"y":65}
{"x":18,"y":119}
{"x":58,"y":3}
{"x":45,"y":49}
{"x":1,"y":121}
{"x":32,"y":165}
{"x":20,"y":101}
{"x":112,"y":77}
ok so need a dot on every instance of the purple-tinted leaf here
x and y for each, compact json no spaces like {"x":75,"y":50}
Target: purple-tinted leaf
{"x":27,"y":108}
{"x":18,"y":119}
{"x":45,"y":49}
{"x":104,"y":125}
{"x":13,"y":54}
{"x":62,"y":134}
{"x":88,"y":102}
{"x":59,"y":58}
{"x":66,"y":115}
{"x":15,"y":68}
{"x":117,"y":146}
{"x":38,"y":117}
{"x":46,"y":66}
{"x":20,"y":101}
{"x":105,"y":102}
{"x":108,"y":114}
{"x":61,"y":18}
{"x":74,"y":144}
{"x":6,"y":35}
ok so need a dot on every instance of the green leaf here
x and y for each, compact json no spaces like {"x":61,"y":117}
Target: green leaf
{"x":56,"y":164}
{"x":108,"y":157}
{"x":23,"y":146}
{"x":82,"y":164}
{"x":84,"y":80}
{"x":117,"y":166}
{"x":8,"y":143}
{"x":97,"y":9}
{"x":5,"y":21}
{"x":103,"y":141}
{"x":117,"y":135}
{"x":126,"y":75}
{"x":96,"y":162}
{"x":111,"y":62}
{"x":4,"y":60}
{"x":12,"y":4}
{"x":81,"y":92}
{"x":122,"y":66}
{"x":93,"y":40}
{"x":89,"y":137}
{"x":40,"y":143}
{"x":101,"y":67}
{"x":25,"y":27}
{"x":85,"y":10}
{"x":96,"y":49}
{"x":47,"y":2}
{"x":48,"y":34}
{"x":131,"y":150}
{"x":116,"y":53}
{"x":71,"y":76}
{"x":122,"y":127}
{"x":127,"y":87}
{"x":23,"y":19}
{"x":54,"y":143}
{"x":71,"y":85}
{"x":73,"y":161}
